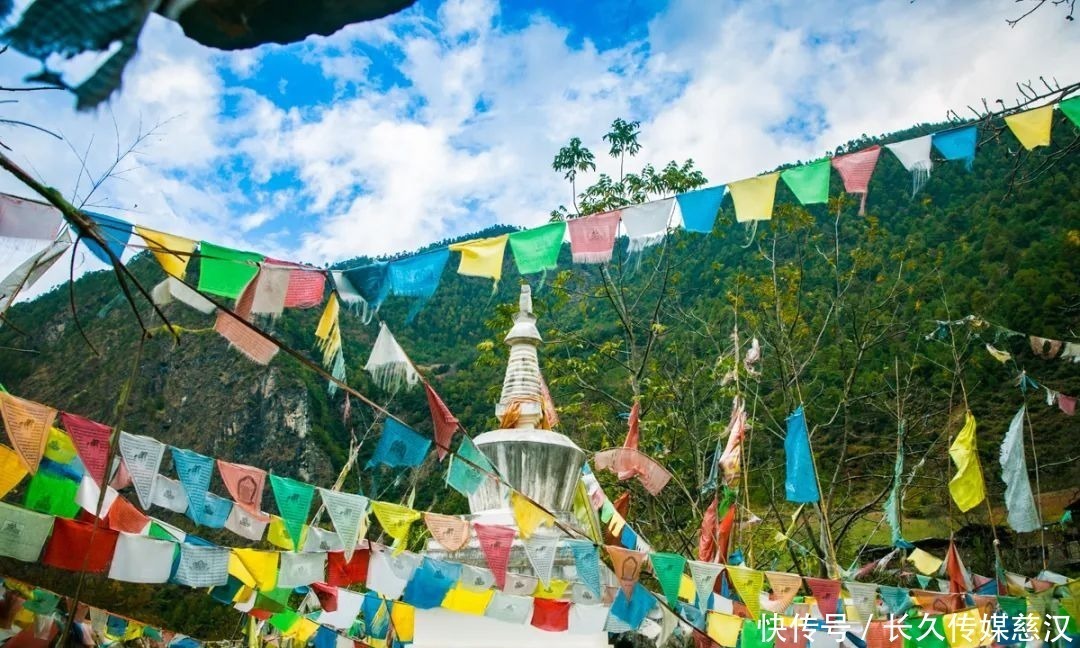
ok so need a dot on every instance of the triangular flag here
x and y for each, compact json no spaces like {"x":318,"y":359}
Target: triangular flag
{"x":194,"y":471}
{"x":482,"y":257}
{"x":749,"y":583}
{"x":959,"y":579}
{"x":396,"y":520}
{"x":957,"y":144}
{"x":809,"y":182}
{"x":245,"y":484}
{"x":1071,"y":109}
{"x":91,"y":439}
{"x":1023,"y":515}
{"x":388,"y":365}
{"x":537,"y":249}
{"x":1032,"y":127}
{"x":592,"y":238}
{"x":855,"y":169}
{"x":443,"y":420}
{"x":540,"y":550}
{"x":966,"y":487}
{"x":703,"y":575}
{"x":12,"y":470}
{"x":450,"y":531}
{"x":700,"y":207}
{"x":586,"y":563}
{"x":826,"y":594}
{"x":785,"y":587}
{"x":294,"y":503}
{"x":754,"y":197}
{"x":172,"y":252}
{"x":914,"y":154}
{"x":668,"y":569}
{"x":627,"y":565}
{"x":142,"y":456}
{"x":863,"y":598}
{"x":496,"y":542}
{"x":897,"y":599}
{"x":348,"y":512}
{"x":528,"y":515}
{"x":27,"y":425}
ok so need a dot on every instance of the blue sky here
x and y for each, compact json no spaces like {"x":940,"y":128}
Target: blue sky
{"x":444,"y":119}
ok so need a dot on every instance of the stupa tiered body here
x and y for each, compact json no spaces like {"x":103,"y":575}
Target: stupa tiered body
{"x":542,"y":464}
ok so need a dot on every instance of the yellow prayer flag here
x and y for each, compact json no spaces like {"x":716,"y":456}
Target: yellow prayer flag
{"x":172,"y":252}
{"x":926,"y":564}
{"x":133,"y":631}
{"x":482,"y":257}
{"x":59,"y":447}
{"x":724,"y":628}
{"x":403,"y":619}
{"x":749,"y":583}
{"x":465,"y":601}
{"x":754,"y":197}
{"x":261,"y":565}
{"x":527,"y":515}
{"x":303,"y":630}
{"x":240,"y":572}
{"x":616,"y":523}
{"x":1032,"y":127}
{"x":278,"y":535}
{"x":396,"y":520}
{"x":687,"y":589}
{"x":966,"y":486}
{"x":965,"y":629}
{"x":555,"y":589}
{"x":245,"y":592}
{"x":12,"y":470}
{"x":24,"y":618}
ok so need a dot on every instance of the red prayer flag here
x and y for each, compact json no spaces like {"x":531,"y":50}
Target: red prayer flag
{"x":707,"y":542}
{"x":633,"y":434}
{"x":327,"y":596}
{"x":627,"y":564}
{"x":855,"y":169}
{"x":444,"y":421}
{"x":245,"y":484}
{"x":958,"y":578}
{"x":342,"y":573}
{"x":496,"y":541}
{"x":826,"y":593}
{"x":306,"y":288}
{"x":726,"y":525}
{"x":551,"y":615}
{"x":91,"y":440}
{"x":880,"y":636}
{"x":76,"y":545}
{"x":123,"y":516}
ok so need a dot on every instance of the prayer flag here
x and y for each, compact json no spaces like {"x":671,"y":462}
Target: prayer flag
{"x":23,"y":533}
{"x":306,"y":287}
{"x":592,"y":238}
{"x":245,"y":484}
{"x":959,"y":579}
{"x":892,"y":504}
{"x":91,"y":439}
{"x":226,"y":272}
{"x":12,"y":470}
{"x":444,"y":422}
{"x":59,"y":449}
{"x":586,"y":563}
{"x":646,"y":224}
{"x":510,"y":608}
{"x":627,"y":565}
{"x":27,"y":425}
{"x":476,"y":579}
{"x":540,"y":550}
{"x":138,"y":559}
{"x":495,"y":542}
{"x":76,"y":546}
{"x":634,"y":607}
{"x":396,"y":520}
{"x":450,"y":531}
{"x":700,"y":207}
{"x":896,"y":599}
{"x":123,"y":516}
{"x":957,"y":144}
{"x":709,"y":531}
{"x":172,"y":288}
{"x":863,"y":599}
{"x":469,"y":468}
{"x":754,"y":197}
{"x":965,"y":629}
{"x":261,"y":565}
{"x":537,"y":249}
{"x":399,"y":446}
{"x":826,"y":593}
{"x":914,"y":154}
{"x":52,"y":494}
{"x":482,"y":257}
{"x":202,"y":566}
{"x":342,"y":572}
{"x":924,"y":562}
{"x":590,"y":620}
{"x":376,"y":612}
{"x":367,"y":285}
{"x":703,"y":575}
{"x":668,"y":569}
{"x":172,"y":252}
{"x":215,"y":511}
{"x":966,"y":486}
{"x":855,"y":169}
{"x":785,"y":587}
{"x":237,"y":330}
{"x":35,"y":261}
{"x":388,"y":364}
{"x":349,"y":514}
{"x":552,"y":616}
{"x":113,"y":231}
{"x":724,"y":629}
{"x":749,"y":583}
{"x":430,"y":583}
{"x":28,"y":219}
{"x":465,"y":601}
{"x":1071,"y":109}
{"x":142,"y":456}
{"x":169,"y":494}
{"x":417,"y":276}
{"x":293,"y":502}
{"x":800,"y":484}
{"x":268,"y":290}
{"x":1023,"y":515}
{"x":388,"y":574}
{"x":301,"y":569}
{"x":194,"y":471}
{"x":403,"y":619}
{"x":528,"y":515}
{"x":1032,"y":127}
{"x":809,"y":182}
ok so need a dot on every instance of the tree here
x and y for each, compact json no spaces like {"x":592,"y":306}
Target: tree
{"x":571,"y":159}
{"x":623,"y":138}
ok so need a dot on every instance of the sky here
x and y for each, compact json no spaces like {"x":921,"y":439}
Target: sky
{"x":444,"y":119}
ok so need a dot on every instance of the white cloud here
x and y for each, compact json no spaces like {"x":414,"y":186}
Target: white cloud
{"x":475,"y":111}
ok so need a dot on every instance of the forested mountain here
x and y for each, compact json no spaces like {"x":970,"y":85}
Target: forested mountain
{"x":845,"y":307}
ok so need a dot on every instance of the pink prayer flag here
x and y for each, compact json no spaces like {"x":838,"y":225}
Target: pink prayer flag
{"x":633,"y":434}
{"x":855,"y":169}
{"x":826,"y":593}
{"x":592,"y":238}
{"x":1067,"y":404}
{"x":91,"y":439}
{"x":627,"y":564}
{"x":245,"y":484}
{"x":247,"y":341}
{"x":306,"y":285}
{"x":496,"y":541}
{"x":121,"y":478}
{"x":731,"y":458}
{"x":628,"y":463}
{"x":444,"y":421}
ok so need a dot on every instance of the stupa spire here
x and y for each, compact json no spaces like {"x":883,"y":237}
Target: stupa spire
{"x":522,"y":386}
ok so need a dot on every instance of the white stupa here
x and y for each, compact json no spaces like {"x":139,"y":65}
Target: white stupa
{"x":542,"y":464}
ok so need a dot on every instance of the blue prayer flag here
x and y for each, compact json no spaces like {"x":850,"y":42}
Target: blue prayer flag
{"x":399,"y":446}
{"x":699,"y":208}
{"x":633,"y":610}
{"x":325,"y":638}
{"x":628,"y":538}
{"x":370,"y":282}
{"x":376,"y":615}
{"x":586,"y":562}
{"x":418,"y":276}
{"x":114,"y":231}
{"x":800,"y":485}
{"x":215,"y":511}
{"x":194,"y":471}
{"x":957,"y":144}
{"x":430,"y":583}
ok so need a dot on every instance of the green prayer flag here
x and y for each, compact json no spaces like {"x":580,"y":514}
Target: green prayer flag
{"x":668,"y":569}
{"x":809,"y":182}
{"x":152,"y":633}
{"x":43,"y":603}
{"x":538,"y":249}
{"x":293,"y":501}
{"x":464,"y":475}
{"x":754,"y":635}
{"x":52,"y":494}
{"x":1071,"y":109}
{"x":276,"y":600}
{"x":284,"y":620}
{"x":226,"y":272}
{"x":924,"y":633}
{"x":23,"y":533}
